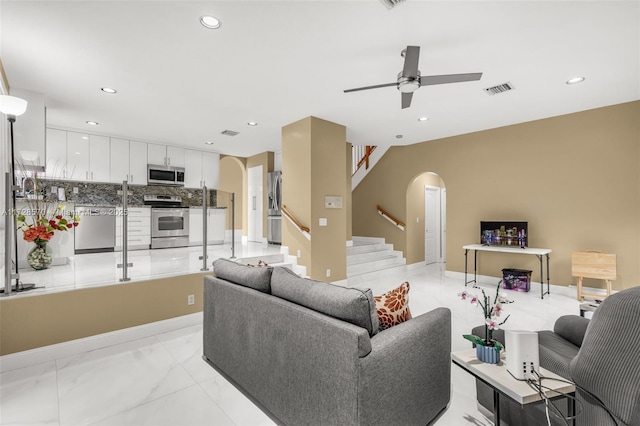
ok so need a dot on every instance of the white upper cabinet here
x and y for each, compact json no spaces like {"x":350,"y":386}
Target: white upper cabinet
{"x":77,"y":156}
{"x":211,"y":169}
{"x":138,"y":162}
{"x":203,"y":169}
{"x":56,"y":149}
{"x":193,"y":173}
{"x":165,"y":155}
{"x":175,"y":156}
{"x":128,"y":161}
{"x":157,"y":154}
{"x":119,"y":160}
{"x":99,"y":158}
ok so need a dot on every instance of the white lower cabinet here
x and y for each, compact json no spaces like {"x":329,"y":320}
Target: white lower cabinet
{"x":138,"y":226}
{"x":215,"y":226}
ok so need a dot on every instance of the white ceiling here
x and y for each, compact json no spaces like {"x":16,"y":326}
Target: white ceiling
{"x":275,"y":62}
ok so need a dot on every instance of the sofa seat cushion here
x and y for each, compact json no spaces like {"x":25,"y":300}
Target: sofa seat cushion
{"x":352,"y":305}
{"x":556,"y":353}
{"x":393,"y":306}
{"x":256,"y":278}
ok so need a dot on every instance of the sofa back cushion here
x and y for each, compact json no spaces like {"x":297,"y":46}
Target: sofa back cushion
{"x":352,"y":305}
{"x":256,"y":278}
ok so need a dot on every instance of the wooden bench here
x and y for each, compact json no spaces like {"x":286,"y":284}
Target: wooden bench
{"x":593,"y":264}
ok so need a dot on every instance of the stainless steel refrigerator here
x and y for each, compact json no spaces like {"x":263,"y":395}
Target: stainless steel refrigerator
{"x":274,"y":205}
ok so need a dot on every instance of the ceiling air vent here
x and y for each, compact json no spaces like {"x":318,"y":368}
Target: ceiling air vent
{"x":500,"y":88}
{"x":390,"y":4}
{"x":230,"y":133}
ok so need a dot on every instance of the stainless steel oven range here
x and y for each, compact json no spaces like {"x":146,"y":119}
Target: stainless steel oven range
{"x":169,"y":221}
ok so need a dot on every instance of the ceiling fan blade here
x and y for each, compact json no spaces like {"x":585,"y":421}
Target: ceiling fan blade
{"x":406,"y":100}
{"x":429,"y":80}
{"x":371,"y":87}
{"x":411,"y":61}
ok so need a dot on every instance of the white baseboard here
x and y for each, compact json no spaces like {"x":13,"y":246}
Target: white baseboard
{"x":78,"y":346}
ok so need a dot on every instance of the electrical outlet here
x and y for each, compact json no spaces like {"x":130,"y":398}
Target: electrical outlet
{"x":417,"y":220}
{"x":75,"y":189}
{"x":299,"y":254}
{"x":189,"y":195}
{"x":191,"y":299}
{"x":328,"y":272}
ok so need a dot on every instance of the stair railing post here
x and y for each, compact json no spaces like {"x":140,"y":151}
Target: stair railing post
{"x":204,"y":229}
{"x":125,"y":231}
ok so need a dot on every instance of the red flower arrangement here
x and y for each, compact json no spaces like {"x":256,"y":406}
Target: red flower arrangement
{"x":45,"y":223}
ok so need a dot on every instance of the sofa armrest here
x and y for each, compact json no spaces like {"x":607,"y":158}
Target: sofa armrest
{"x":406,"y":379}
{"x":571,"y":328}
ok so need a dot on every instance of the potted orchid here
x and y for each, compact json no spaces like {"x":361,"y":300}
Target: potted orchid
{"x":487,"y":349}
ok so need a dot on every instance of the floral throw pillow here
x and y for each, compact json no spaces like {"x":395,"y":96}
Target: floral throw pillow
{"x":393,"y":306}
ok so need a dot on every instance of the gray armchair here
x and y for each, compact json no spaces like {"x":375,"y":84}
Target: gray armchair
{"x":601,"y":356}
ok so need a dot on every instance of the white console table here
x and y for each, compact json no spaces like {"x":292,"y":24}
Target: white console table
{"x":538,"y":252}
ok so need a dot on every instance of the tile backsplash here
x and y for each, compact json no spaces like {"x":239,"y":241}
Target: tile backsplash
{"x":109,"y":194}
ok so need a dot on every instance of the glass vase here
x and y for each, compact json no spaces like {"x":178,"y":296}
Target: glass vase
{"x":40,"y":256}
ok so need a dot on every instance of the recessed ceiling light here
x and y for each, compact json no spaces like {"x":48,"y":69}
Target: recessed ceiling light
{"x":575,"y":80}
{"x":85,"y":137}
{"x":92,"y":123}
{"x":109,"y":90}
{"x":398,"y":136}
{"x":252,"y":123}
{"x":210,"y":22}
{"x":209,"y":143}
{"x":423,"y":118}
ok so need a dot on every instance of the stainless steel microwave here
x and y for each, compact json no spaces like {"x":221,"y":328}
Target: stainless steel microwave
{"x":165,"y":175}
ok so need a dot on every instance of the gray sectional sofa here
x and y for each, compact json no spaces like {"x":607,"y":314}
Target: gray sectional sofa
{"x":309,"y":353}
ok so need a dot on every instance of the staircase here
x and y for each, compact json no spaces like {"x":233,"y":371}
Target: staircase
{"x":370,"y":258}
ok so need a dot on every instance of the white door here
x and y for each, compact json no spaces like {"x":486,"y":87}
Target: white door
{"x":157,"y":154}
{"x":254,"y":204}
{"x":175,"y":156}
{"x":56,"y":148}
{"x":430,"y":225}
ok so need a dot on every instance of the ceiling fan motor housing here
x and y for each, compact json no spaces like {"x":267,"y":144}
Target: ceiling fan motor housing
{"x":408,"y":84}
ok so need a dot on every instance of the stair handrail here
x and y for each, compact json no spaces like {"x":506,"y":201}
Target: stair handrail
{"x":304,"y":229}
{"x":398,"y":223}
{"x":368,"y":149}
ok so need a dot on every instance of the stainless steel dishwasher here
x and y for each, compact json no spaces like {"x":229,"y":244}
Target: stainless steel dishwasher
{"x":96,"y":231}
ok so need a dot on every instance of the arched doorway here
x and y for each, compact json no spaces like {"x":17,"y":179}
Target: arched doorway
{"x":426,"y":211}
{"x":233,"y":177}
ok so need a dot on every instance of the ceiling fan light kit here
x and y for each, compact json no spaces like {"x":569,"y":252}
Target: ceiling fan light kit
{"x":409,"y":79}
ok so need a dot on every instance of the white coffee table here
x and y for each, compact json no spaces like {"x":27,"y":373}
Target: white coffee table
{"x":503,"y":383}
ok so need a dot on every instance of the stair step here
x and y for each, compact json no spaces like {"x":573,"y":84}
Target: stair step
{"x":367,"y":248}
{"x":378,"y":265}
{"x":366,"y":240}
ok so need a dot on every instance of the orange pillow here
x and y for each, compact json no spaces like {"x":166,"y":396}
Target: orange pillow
{"x":393,"y":306}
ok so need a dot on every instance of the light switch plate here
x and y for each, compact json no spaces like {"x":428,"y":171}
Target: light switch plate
{"x":323,"y":221}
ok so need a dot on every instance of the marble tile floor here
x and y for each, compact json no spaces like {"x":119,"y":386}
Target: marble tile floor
{"x":162,"y":380}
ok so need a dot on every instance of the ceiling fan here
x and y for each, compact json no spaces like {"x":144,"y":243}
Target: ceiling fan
{"x":410,"y":80}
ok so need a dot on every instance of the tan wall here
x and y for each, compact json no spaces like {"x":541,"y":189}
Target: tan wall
{"x":232,"y":179}
{"x":266,"y":161}
{"x":574,"y":178}
{"x":296,"y":187}
{"x":314,"y":166}
{"x":33,"y":321}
